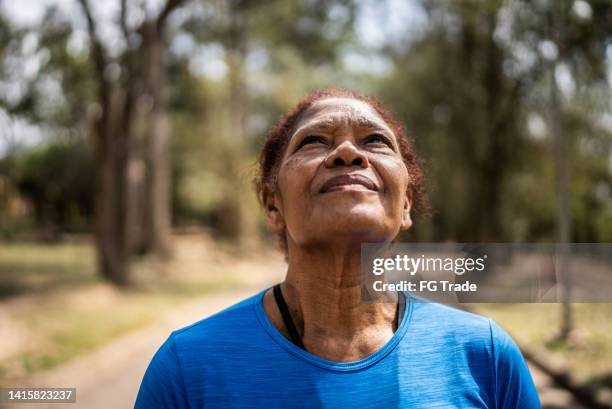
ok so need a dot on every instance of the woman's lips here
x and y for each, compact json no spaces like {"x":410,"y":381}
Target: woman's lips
{"x":342,"y":182}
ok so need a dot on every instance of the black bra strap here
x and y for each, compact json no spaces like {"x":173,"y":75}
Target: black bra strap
{"x":282,"y":306}
{"x":293,"y":333}
{"x":401,"y":308}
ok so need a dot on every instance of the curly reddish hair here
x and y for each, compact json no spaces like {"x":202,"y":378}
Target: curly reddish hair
{"x":278,"y":137}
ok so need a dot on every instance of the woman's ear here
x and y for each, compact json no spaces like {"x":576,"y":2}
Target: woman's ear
{"x":406,"y":219}
{"x":274,"y":214}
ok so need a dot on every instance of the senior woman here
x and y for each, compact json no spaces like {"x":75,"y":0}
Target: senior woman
{"x":335,"y":172}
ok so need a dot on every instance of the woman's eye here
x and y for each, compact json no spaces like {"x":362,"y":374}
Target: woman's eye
{"x":311,"y":139}
{"x":378,"y":138}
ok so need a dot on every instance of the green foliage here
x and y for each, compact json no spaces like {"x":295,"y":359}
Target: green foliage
{"x":313,"y":28}
{"x":59,"y":93}
{"x":468,"y":89}
{"x":58,"y":180}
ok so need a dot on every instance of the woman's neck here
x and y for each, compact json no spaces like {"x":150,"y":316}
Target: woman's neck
{"x":323,"y":292}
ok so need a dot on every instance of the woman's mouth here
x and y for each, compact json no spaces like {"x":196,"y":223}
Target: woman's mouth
{"x":348,"y":182}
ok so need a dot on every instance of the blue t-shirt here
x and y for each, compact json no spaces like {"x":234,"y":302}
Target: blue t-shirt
{"x":439,"y":357}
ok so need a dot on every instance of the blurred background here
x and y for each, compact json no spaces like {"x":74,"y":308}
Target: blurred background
{"x":130,"y":129}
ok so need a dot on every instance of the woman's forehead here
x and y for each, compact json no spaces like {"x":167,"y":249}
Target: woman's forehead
{"x":334,"y":110}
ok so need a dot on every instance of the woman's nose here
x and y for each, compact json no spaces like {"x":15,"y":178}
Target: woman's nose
{"x":346,"y":154}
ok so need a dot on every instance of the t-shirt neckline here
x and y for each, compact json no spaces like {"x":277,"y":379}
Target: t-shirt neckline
{"x":326,"y":363}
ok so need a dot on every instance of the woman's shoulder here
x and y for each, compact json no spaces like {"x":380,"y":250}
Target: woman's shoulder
{"x":451,"y":324}
{"x":452,"y":314}
{"x":463,"y":339}
{"x":456,"y":329}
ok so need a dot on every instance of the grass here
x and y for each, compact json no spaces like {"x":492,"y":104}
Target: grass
{"x":32,"y":268}
{"x":55,"y":308}
{"x":588,"y":352}
{"x":69,"y":332}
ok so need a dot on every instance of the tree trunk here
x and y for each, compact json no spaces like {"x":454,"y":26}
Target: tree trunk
{"x":238,"y":101}
{"x":110,"y":203}
{"x":563,"y":207}
{"x":562,"y":181}
{"x":157,"y":213}
{"x":118,"y":152}
{"x":485,"y":148}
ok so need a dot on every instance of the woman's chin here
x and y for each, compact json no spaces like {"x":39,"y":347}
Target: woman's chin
{"x":364,"y":226}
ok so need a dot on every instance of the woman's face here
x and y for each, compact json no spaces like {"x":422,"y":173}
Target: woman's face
{"x":342,"y":177}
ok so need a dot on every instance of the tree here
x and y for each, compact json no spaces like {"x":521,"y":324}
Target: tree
{"x":127,"y":87}
{"x":470,"y":86}
{"x":572,"y":36}
{"x":452,"y":90}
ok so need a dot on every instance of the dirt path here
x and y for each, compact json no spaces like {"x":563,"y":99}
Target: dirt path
{"x":110,"y":376}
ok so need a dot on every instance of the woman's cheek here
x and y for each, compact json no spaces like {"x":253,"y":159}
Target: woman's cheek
{"x":302,"y":169}
{"x":293,"y":177}
{"x":394,"y":174}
